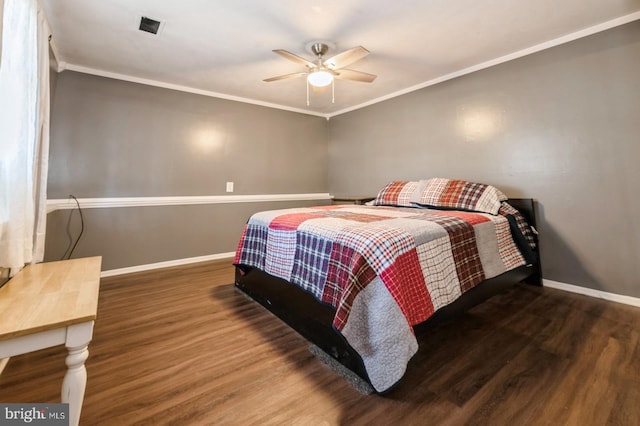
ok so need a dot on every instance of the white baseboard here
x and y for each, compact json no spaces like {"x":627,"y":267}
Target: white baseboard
{"x":619,"y":298}
{"x":166,"y":264}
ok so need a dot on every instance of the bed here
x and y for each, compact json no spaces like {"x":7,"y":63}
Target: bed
{"x":358,"y":281}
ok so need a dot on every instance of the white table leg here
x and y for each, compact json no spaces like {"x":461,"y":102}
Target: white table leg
{"x":75,"y":381}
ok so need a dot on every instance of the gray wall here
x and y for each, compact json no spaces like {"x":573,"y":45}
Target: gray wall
{"x":561,"y":126}
{"x":130,"y":236}
{"x":111,"y":138}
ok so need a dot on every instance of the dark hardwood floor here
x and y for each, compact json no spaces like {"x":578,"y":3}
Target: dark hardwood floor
{"x":181,"y":346}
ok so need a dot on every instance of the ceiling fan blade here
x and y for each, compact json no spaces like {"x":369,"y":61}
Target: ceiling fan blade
{"x":364,"y":77}
{"x":346,"y":58}
{"x":282,"y":77}
{"x":295,"y":58}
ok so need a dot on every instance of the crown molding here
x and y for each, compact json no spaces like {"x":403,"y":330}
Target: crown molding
{"x":63,"y":65}
{"x":187,"y":89}
{"x":502,"y":59}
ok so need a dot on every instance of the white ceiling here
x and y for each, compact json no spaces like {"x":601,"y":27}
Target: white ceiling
{"x":223,"y":47}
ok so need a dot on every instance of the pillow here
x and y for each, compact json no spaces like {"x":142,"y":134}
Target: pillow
{"x":521,"y":223}
{"x":460,"y":195}
{"x":397,"y":193}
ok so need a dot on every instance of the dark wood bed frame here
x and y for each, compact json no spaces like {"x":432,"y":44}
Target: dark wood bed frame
{"x":313,"y":319}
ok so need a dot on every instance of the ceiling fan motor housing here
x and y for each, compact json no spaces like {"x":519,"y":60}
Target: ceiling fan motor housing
{"x":319,"y":49}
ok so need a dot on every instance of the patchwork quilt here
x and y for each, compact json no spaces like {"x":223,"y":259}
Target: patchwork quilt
{"x":384,"y":269}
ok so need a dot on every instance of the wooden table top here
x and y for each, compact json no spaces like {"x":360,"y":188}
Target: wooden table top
{"x":50,"y":295}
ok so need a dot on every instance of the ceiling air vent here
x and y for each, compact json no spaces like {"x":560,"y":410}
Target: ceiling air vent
{"x":149,"y":25}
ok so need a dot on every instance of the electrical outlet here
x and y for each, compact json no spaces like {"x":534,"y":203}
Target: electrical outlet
{"x":229,"y":186}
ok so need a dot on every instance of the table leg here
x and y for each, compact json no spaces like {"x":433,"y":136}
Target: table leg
{"x":75,"y":380}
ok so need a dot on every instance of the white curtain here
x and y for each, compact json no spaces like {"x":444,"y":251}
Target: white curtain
{"x":1,"y":10}
{"x":24,"y":133}
{"x":41,"y":160}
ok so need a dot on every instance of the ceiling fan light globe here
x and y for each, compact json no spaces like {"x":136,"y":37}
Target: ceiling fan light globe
{"x":320,"y":78}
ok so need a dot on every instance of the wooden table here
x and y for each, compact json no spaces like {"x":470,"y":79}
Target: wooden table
{"x":50,"y":304}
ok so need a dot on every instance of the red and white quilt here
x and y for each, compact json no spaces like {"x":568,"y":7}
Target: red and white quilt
{"x":384,"y":269}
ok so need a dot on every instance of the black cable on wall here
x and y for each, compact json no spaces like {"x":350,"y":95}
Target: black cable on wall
{"x":75,"y":244}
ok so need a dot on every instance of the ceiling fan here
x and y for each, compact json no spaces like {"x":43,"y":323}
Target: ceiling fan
{"x":322,"y":72}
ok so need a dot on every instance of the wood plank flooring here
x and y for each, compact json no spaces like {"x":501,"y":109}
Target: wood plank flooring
{"x":181,"y":346}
